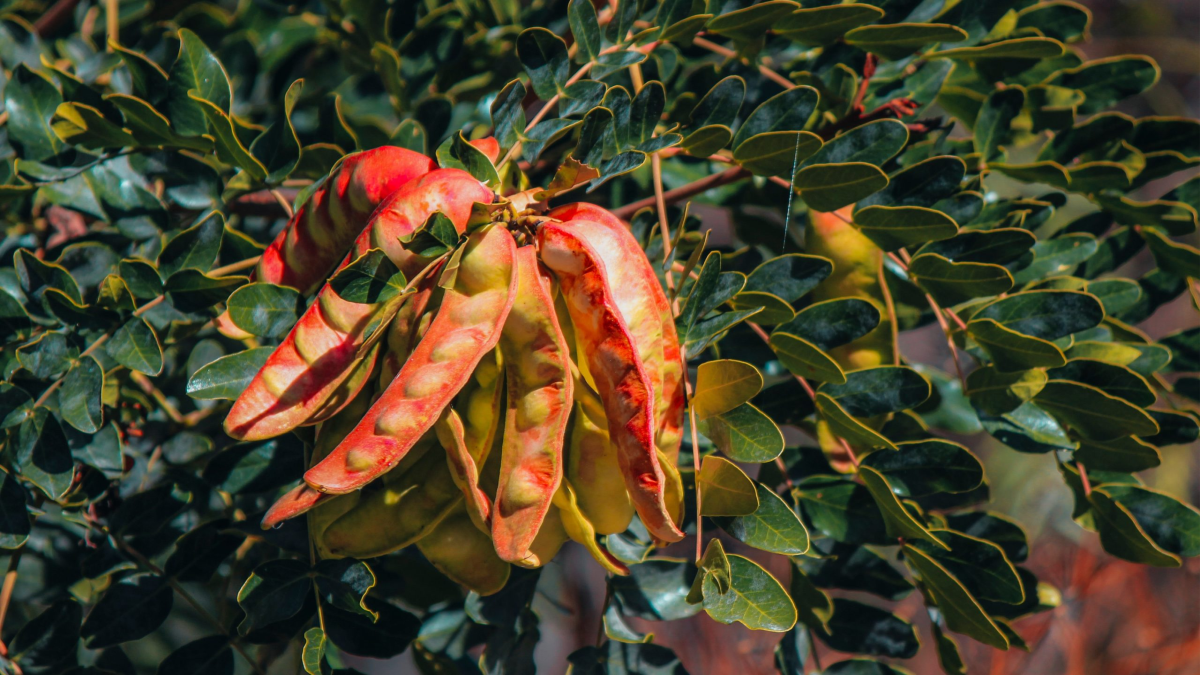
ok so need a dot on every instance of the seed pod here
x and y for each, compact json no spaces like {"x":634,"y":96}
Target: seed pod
{"x":593,"y":468}
{"x":466,"y":328}
{"x":548,"y":542}
{"x":321,"y":349}
{"x":639,"y":298}
{"x":460,"y":551}
{"x":408,"y":326}
{"x":464,"y":470}
{"x":411,"y":501}
{"x":613,"y":361}
{"x":538,"y":367}
{"x":325,"y":225}
{"x":580,"y":529}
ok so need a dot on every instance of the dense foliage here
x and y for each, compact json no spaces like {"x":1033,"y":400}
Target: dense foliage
{"x":150,"y":151}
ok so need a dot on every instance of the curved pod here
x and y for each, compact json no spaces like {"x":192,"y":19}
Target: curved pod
{"x":613,"y":361}
{"x":320,"y":351}
{"x":466,"y":327}
{"x":639,"y":298}
{"x":538,"y":367}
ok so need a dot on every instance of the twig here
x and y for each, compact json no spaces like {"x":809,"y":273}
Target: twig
{"x":890,"y":306}
{"x":283,"y":203}
{"x":112,"y":16}
{"x":730,"y":54}
{"x":153,"y":392}
{"x":6,"y":592}
{"x":731,"y":175}
{"x":1083,"y":478}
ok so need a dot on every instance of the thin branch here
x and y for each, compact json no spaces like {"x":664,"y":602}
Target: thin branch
{"x":1083,"y":478}
{"x":730,"y":54}
{"x":6,"y":592}
{"x":283,"y":203}
{"x":692,"y":189}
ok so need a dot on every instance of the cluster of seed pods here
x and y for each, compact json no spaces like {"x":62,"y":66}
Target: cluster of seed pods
{"x":525,"y":391}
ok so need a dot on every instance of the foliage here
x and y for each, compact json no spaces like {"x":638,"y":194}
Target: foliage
{"x":933,"y":148}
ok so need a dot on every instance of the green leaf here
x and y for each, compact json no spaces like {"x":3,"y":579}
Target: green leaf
{"x":1018,"y":48}
{"x":206,"y":656}
{"x":265,"y":309}
{"x":50,"y":639}
{"x":776,"y":153}
{"x":1173,"y":525}
{"x":148,"y":78}
{"x":980,"y":565}
{"x":773,"y":527}
{"x":996,"y":392}
{"x":899,"y":522}
{"x":229,"y":146}
{"x":714,"y":563}
{"x":756,"y":599}
{"x":805,"y":359}
{"x":147,"y":512}
{"x":829,"y":187}
{"x":1111,"y":378}
{"x":1092,"y":413}
{"x":47,"y":356}
{"x":313,"y":652}
{"x":856,"y":568}
{"x":41,"y":454}
{"x":1179,"y":259}
{"x":85,"y":126}
{"x":962,"y":612}
{"x":721,"y":104}
{"x":195,"y":69}
{"x":707,"y":140}
{"x":1126,"y":455}
{"x":79,"y":402}
{"x":275,"y":591}
{"x":585,"y":28}
{"x":1064,"y":21}
{"x":1116,"y":295}
{"x":656,"y":590}
{"x":749,"y":23}
{"x":724,"y":385}
{"x":194,"y":248}
{"x":544,"y":56}
{"x":228,"y":376}
{"x":135,"y":346}
{"x":508,"y":114}
{"x":744,"y":434}
{"x":842,"y":510}
{"x":994,"y":124}
{"x":344,"y":584}
{"x":1028,"y":429}
{"x":922,"y":184}
{"x":1058,"y":256}
{"x":1122,"y":535}
{"x":30,"y":100}
{"x":191,"y":290}
{"x":199,"y":553}
{"x":818,"y":26}
{"x":370,"y":279}
{"x":1010,"y":350}
{"x":790,"y":276}
{"x":142,"y":278}
{"x":151,"y":128}
{"x":921,"y":468}
{"x":130,"y":609}
{"x":873,"y":143}
{"x":790,"y":110}
{"x":898,"y":40}
{"x":1107,"y":81}
{"x":894,"y":227}
{"x":813,"y":605}
{"x":15,"y":524}
{"x":952,"y":283}
{"x":37,"y":276}
{"x":385,"y":638}
{"x":846,"y":427}
{"x":878,"y":391}
{"x":278,"y":148}
{"x":1175,"y":428}
{"x":858,"y":628}
{"x":996,"y":528}
{"x":725,"y":490}
{"x":457,"y":153}
{"x":1045,"y":314}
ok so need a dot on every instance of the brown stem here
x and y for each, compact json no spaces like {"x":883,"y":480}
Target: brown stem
{"x":1083,"y":478}
{"x":730,"y":54}
{"x":731,"y":175}
{"x":6,"y":592}
{"x":52,"y":18}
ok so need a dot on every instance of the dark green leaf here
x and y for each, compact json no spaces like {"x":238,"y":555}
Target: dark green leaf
{"x":194,"y":248}
{"x":955,"y":282}
{"x":1048,"y":315}
{"x":842,"y":510}
{"x":873,"y":143}
{"x":41,"y":454}
{"x":1126,"y":454}
{"x":922,"y":184}
{"x":817,"y":26}
{"x":30,"y":100}
{"x":1122,"y":535}
{"x":15,"y":525}
{"x":199,"y":553}
{"x":1110,"y":378}
{"x":206,"y":656}
{"x":893,"y":227}
{"x":255,"y":467}
{"x":79,"y":402}
{"x":1010,"y":350}
{"x":1058,"y":256}
{"x":49,"y":355}
{"x":856,"y":568}
{"x":265,"y":309}
{"x":749,"y":23}
{"x":755,"y":598}
{"x":899,"y":40}
{"x":195,"y":69}
{"x":1109,"y":80}
{"x":49,"y":639}
{"x":995,"y":392}
{"x":131,"y":609}
{"x":774,"y":527}
{"x":721,"y":104}
{"x":585,"y":28}
{"x":1028,"y":429}
{"x":544,"y":56}
{"x":656,"y":590}
{"x":878,"y":391}
{"x":786,"y":111}
{"x":276,"y":590}
{"x":922,"y":468}
{"x":899,"y":521}
{"x":829,"y":187}
{"x":508,"y":114}
{"x":858,"y":628}
{"x":228,"y":376}
{"x":1092,"y":413}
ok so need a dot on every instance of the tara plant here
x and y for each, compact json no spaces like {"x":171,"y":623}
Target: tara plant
{"x":326,"y":325}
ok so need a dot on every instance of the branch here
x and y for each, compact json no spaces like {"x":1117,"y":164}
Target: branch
{"x":690,"y":190}
{"x":729,"y":53}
